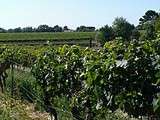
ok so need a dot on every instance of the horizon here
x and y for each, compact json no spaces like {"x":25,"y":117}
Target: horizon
{"x":18,"y":13}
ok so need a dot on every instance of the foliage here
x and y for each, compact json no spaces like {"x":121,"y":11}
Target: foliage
{"x":40,"y":28}
{"x":65,"y":28}
{"x":85,"y":29}
{"x":2,"y":30}
{"x":93,"y":84}
{"x":122,"y":28}
{"x":149,"y":24}
{"x":57,"y":29}
{"x":150,"y":16}
{"x":149,"y":32}
{"x":44,"y":28}
{"x":157,"y":25}
{"x":28,"y":29}
{"x":123,"y":75}
{"x":122,"y":78}
{"x":107,"y":34}
{"x":135,"y":34}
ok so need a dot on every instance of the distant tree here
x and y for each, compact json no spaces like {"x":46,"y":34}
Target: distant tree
{"x":65,"y":28}
{"x":85,"y":29}
{"x":10,"y":30}
{"x":40,"y":28}
{"x":80,"y":29}
{"x":17,"y":30}
{"x":43,"y":28}
{"x":28,"y":29}
{"x":57,"y":29}
{"x":107,"y":34}
{"x":148,"y":25}
{"x":2,"y":30}
{"x":122,"y":28}
{"x":150,"y":16}
{"x":91,"y":29}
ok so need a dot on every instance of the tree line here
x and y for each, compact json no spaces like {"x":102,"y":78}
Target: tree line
{"x":47,"y":28}
{"x":148,"y":27}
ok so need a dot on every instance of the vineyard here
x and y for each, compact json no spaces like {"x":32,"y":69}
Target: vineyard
{"x":45,"y":38}
{"x":86,"y":83}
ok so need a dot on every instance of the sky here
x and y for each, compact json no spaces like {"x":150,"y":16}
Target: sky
{"x":73,"y":13}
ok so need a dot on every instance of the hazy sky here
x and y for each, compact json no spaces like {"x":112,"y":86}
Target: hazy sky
{"x":15,"y":13}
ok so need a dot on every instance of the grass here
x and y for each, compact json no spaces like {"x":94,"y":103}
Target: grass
{"x":46,"y":36}
{"x":25,"y":80}
{"x":11,"y":109}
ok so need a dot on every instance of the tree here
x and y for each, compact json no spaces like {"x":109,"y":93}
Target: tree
{"x":65,"y":28}
{"x":17,"y":30}
{"x":149,"y":16}
{"x":148,"y":24}
{"x":57,"y":29}
{"x":122,"y":28}
{"x":28,"y":29}
{"x":150,"y":32}
{"x":135,"y":34}
{"x":157,"y":25}
{"x":2,"y":30}
{"x":10,"y":30}
{"x":107,"y":34}
{"x":85,"y":29}
{"x":43,"y":28}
